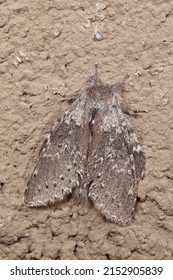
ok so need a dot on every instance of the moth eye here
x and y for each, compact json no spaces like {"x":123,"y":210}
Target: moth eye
{"x":46,"y":186}
{"x":68,"y":169}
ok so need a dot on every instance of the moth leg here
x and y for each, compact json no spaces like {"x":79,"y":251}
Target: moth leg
{"x":131,"y":112}
{"x":70,"y":98}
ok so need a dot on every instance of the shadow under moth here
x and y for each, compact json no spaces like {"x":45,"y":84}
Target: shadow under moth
{"x":92,"y":155}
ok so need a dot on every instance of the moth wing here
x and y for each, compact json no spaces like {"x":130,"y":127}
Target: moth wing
{"x":60,"y":163}
{"x":116,"y":166}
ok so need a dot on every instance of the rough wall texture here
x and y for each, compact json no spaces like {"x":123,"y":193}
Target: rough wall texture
{"x":52,"y":47}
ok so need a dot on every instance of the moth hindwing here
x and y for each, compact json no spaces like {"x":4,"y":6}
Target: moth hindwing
{"x":92,"y":154}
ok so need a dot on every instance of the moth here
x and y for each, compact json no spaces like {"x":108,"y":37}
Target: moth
{"x":91,"y":155}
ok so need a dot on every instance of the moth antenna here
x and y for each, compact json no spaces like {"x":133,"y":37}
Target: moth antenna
{"x":94,"y":76}
{"x":123,"y":81}
{"x":95,"y":71}
{"x":118,"y":87}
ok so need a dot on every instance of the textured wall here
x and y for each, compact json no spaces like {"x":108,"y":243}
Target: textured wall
{"x":52,"y":47}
